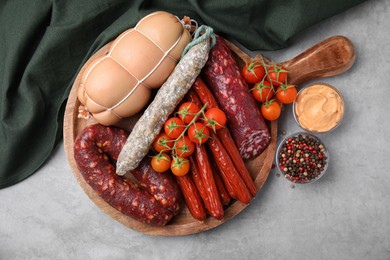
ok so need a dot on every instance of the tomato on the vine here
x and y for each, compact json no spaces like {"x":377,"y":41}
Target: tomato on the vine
{"x":253,"y":71}
{"x":215,"y":118}
{"x":173,"y":127}
{"x":162,"y":142}
{"x":187,"y":112}
{"x":286,"y":93}
{"x":161,"y":162}
{"x":180,"y":166}
{"x":184,"y":147}
{"x":271,"y":110}
{"x":198,"y":133}
{"x":263,"y":91}
{"x":277,"y":75}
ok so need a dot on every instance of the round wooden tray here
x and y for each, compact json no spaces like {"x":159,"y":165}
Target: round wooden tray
{"x":183,"y":223}
{"x":330,"y":57}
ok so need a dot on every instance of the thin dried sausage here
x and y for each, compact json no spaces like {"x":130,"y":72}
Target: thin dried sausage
{"x":226,"y":166}
{"x":205,"y":95}
{"x":232,"y":179}
{"x":206,"y":173}
{"x":167,"y":98}
{"x":192,"y":197}
{"x":223,"y":193}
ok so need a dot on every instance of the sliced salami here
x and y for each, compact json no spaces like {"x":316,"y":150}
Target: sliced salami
{"x":223,"y":77}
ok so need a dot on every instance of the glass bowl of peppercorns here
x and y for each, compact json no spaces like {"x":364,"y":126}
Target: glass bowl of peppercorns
{"x":302,"y":158}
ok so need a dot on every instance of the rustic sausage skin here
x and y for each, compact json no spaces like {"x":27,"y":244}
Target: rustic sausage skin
{"x":162,"y":186}
{"x":154,"y":200}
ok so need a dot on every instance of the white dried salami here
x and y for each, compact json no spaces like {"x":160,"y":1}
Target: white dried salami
{"x":167,"y":98}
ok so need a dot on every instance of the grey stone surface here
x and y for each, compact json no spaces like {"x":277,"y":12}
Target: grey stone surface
{"x":345,"y":215}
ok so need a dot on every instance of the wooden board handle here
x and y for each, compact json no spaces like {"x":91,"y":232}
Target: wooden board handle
{"x":329,"y":57}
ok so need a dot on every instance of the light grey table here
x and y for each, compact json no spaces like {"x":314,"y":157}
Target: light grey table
{"x":345,"y":215}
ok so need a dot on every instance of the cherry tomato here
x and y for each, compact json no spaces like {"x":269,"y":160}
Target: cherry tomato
{"x":162,"y":142}
{"x":263,"y":91}
{"x":161,"y":162}
{"x":253,"y":72}
{"x":271,"y":110}
{"x":180,"y":166}
{"x":187,"y":112}
{"x":198,"y":133}
{"x":215,"y":118}
{"x":286,"y":94}
{"x":184,"y":147}
{"x":277,"y":75}
{"x":173,"y":127}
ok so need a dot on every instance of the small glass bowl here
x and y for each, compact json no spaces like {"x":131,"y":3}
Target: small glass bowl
{"x":291,"y":169}
{"x":311,"y":122}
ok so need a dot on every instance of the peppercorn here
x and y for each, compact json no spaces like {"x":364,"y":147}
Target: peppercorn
{"x":302,"y":158}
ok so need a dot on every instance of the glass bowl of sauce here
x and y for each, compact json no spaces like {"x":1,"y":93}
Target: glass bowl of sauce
{"x":318,"y":108}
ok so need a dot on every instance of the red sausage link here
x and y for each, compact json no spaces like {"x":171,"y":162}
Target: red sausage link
{"x":232,"y":179}
{"x":231,"y":148}
{"x":223,"y":193}
{"x":206,"y":96}
{"x":191,"y":196}
{"x":226,"y":166}
{"x":228,"y":185}
{"x":204,"y":93}
{"x":224,"y":78}
{"x":96,"y":148}
{"x":197,"y":179}
{"x":206,"y":173}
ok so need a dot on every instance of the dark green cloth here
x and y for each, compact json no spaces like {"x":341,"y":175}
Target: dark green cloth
{"x":44,"y":43}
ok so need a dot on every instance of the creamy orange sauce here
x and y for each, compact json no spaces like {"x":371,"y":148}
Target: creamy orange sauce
{"x":319,"y":108}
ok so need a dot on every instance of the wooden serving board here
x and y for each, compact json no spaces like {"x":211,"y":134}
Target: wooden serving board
{"x":328,"y":58}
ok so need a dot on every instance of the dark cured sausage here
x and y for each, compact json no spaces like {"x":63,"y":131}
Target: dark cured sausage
{"x":162,"y":186}
{"x":154,"y":200}
{"x":223,"y":77}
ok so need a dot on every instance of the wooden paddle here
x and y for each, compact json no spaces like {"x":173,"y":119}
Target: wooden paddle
{"x":327,"y":58}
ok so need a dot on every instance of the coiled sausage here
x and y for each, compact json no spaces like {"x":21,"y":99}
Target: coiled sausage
{"x":154,"y":200}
